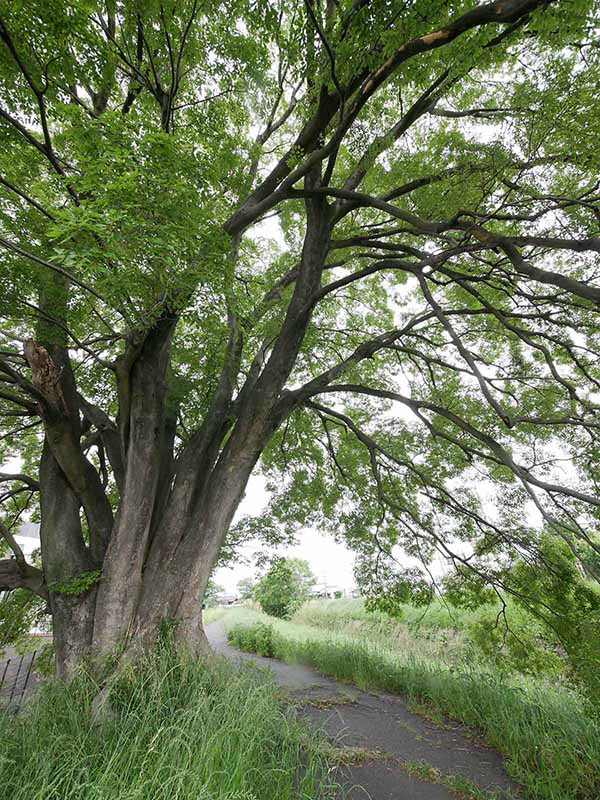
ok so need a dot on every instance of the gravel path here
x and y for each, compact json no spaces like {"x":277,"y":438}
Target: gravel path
{"x":384,"y":733}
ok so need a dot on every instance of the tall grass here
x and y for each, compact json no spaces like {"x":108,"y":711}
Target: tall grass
{"x":550,"y":738}
{"x":437,"y":614}
{"x":435,"y":633}
{"x":176,"y":730}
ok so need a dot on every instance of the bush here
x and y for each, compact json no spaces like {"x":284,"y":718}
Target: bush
{"x":284,"y":588}
{"x":519,"y":644}
{"x":253,"y":638}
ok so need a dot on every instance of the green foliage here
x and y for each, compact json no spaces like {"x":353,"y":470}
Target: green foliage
{"x":78,"y":584}
{"x":176,"y":728}
{"x":567,"y":605}
{"x":387,"y":589}
{"x":246,"y":588}
{"x":253,"y":638}
{"x":467,"y":590}
{"x":431,"y":634}
{"x":515,"y":642}
{"x":45,"y":661}
{"x":118,"y":219}
{"x":211,"y":595}
{"x":533,"y":614}
{"x":554,"y":614}
{"x":284,"y":587}
{"x":510,"y":640}
{"x":19,"y":612}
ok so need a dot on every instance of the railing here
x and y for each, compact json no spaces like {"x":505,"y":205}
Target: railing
{"x":15,"y":677}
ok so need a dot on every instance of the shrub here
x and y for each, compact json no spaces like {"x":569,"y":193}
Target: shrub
{"x":253,"y":638}
{"x":284,"y":588}
{"x":519,"y":644}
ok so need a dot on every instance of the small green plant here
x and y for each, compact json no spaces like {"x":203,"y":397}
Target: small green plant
{"x":79,"y":584}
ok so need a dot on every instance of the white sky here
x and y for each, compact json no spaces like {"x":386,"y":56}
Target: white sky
{"x":330,"y":561}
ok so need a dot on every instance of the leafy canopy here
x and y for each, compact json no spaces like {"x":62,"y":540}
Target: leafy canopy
{"x":440,"y":392}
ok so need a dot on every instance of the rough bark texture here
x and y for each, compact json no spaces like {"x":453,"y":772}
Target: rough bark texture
{"x":119,"y":591}
{"x":65,"y":556}
{"x":156,"y":555}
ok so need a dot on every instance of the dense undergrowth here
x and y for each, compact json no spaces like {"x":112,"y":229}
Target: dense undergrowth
{"x":177,"y":730}
{"x":549,"y":734}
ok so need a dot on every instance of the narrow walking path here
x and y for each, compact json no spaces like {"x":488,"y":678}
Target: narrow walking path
{"x":385,"y":735}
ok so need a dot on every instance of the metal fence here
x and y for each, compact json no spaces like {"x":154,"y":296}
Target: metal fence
{"x":16,"y":675}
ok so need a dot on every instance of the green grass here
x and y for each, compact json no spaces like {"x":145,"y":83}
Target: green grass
{"x":177,"y":729}
{"x":213,"y":614}
{"x":549,"y":736}
{"x":437,"y":615}
{"x":453,"y":636}
{"x":435,"y":633}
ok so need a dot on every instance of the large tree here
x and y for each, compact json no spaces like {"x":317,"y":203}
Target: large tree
{"x":353,"y":241}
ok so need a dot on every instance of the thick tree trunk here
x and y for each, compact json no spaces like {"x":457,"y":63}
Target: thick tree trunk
{"x":173,"y":514}
{"x":183,"y":553}
{"x":65,"y":557}
{"x":121,"y":585}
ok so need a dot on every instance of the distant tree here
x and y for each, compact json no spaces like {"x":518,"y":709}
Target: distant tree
{"x":246,"y":588}
{"x":303,"y":575}
{"x":211,"y":595}
{"x":284,"y":587}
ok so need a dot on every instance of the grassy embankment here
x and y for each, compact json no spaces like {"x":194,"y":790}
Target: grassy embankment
{"x":176,"y":730}
{"x":548,"y":733}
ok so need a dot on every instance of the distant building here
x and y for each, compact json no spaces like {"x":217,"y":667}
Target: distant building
{"x":227,"y":599}
{"x":332,"y":592}
{"x":28,"y":537}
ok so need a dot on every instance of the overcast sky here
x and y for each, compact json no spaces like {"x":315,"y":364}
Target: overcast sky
{"x":331,"y":562}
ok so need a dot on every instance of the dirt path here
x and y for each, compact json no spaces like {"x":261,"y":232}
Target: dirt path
{"x":385,"y":735}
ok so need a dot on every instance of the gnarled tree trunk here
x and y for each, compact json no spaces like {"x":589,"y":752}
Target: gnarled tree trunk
{"x":155,"y":556}
{"x":65,"y":556}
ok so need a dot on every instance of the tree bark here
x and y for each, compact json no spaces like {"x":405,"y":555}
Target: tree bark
{"x":65,"y":557}
{"x":157,"y":553}
{"x":121,"y":584}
